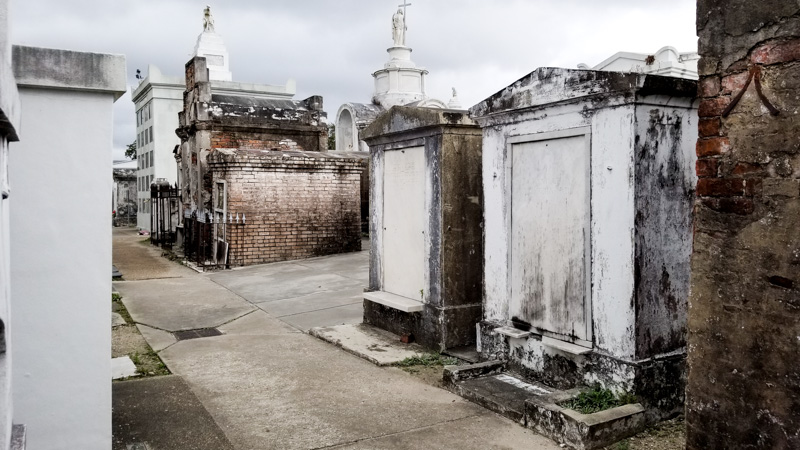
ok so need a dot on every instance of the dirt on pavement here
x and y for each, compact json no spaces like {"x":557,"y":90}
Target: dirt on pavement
{"x":138,"y":260}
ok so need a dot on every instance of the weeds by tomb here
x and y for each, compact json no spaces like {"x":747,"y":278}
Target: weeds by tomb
{"x":597,"y":399}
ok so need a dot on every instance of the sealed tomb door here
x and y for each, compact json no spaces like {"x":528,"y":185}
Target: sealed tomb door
{"x":404,"y":222}
{"x":551,"y":234}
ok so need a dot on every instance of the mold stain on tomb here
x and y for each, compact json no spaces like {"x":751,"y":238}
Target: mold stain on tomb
{"x":660,"y":284}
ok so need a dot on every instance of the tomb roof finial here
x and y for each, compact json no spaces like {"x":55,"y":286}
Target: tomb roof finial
{"x":208,"y":20}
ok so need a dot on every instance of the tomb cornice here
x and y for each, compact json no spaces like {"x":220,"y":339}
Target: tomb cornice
{"x":47,"y":68}
{"x":555,"y":85}
{"x":417,"y":120}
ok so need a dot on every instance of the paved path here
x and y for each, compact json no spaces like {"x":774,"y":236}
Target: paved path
{"x":268,"y":385}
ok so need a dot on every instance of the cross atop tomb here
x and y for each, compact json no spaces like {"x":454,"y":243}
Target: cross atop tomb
{"x":404,"y":5}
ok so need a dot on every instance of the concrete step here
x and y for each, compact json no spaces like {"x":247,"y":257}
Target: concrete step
{"x":536,"y":406}
{"x":373,"y":344}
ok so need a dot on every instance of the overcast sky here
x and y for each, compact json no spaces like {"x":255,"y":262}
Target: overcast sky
{"x":331,"y":47}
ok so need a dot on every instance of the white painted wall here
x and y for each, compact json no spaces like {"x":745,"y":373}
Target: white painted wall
{"x":60,"y":273}
{"x":6,"y":403}
{"x":9,"y":108}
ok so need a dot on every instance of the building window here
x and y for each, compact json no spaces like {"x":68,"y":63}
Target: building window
{"x":151,"y":134}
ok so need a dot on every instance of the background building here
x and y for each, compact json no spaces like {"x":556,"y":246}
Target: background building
{"x":158,"y":99}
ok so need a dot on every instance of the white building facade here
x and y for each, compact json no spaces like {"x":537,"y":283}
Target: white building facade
{"x":158,"y":100}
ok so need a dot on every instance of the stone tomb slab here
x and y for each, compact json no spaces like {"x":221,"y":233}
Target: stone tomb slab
{"x":536,"y":406}
{"x":122,"y":367}
{"x":373,"y":344}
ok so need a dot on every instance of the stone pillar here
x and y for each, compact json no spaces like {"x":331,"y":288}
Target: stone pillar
{"x":744,"y":322}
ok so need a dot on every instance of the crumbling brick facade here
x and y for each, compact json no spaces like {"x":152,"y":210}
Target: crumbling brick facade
{"x":744,"y":321}
{"x":212,"y":120}
{"x":264,"y":159}
{"x":294,"y":205}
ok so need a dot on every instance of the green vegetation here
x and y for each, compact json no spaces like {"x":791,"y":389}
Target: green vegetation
{"x":624,"y":445}
{"x":130,"y":150}
{"x":118,"y":307}
{"x":149,"y":364}
{"x":115,"y":297}
{"x":597,"y":399}
{"x":428,"y":360}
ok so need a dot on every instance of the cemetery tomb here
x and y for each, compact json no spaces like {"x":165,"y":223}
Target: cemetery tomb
{"x":426,"y":249}
{"x":588,"y":184}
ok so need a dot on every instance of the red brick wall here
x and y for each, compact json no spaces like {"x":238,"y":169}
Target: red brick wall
{"x":297,"y":206}
{"x":263,"y":141}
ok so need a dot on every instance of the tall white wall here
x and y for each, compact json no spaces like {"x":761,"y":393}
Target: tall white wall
{"x":60,"y":229}
{"x":61,"y":262}
{"x":9,"y":111}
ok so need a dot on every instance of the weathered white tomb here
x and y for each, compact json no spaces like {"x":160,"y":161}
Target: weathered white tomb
{"x":588,"y":184}
{"x":425,"y":225}
{"x":666,"y":61}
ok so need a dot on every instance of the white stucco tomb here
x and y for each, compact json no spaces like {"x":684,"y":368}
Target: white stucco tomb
{"x":588,"y":189}
{"x":60,"y":272}
{"x":425,"y":225}
{"x":666,"y":61}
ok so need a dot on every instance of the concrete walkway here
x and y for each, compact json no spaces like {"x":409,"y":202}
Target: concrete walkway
{"x":268,"y":385}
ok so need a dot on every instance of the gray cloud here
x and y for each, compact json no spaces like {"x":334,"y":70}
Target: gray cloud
{"x":331,"y":48}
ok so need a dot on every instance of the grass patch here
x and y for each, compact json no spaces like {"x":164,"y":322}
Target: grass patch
{"x":597,"y":399}
{"x":149,"y":364}
{"x":427,"y":360}
{"x":115,"y":297}
{"x":119,"y":308}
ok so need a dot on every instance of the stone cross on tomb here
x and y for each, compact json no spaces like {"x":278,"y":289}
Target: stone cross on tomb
{"x":404,"y":5}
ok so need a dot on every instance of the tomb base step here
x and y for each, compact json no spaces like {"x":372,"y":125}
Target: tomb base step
{"x":536,"y":406}
{"x":378,"y":346}
{"x":466,"y":353}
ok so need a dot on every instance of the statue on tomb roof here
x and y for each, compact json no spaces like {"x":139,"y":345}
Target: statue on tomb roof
{"x":208,"y":20}
{"x":399,"y":28}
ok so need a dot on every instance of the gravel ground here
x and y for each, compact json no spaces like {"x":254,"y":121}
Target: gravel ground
{"x":669,"y":435}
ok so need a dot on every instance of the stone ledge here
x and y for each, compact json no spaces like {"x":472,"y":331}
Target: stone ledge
{"x":536,"y":406}
{"x":397,"y":302}
{"x":585,"y":431}
{"x":459,"y":373}
{"x":565,"y":346}
{"x":65,"y":69}
{"x":512,"y":332}
{"x":377,"y":346}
